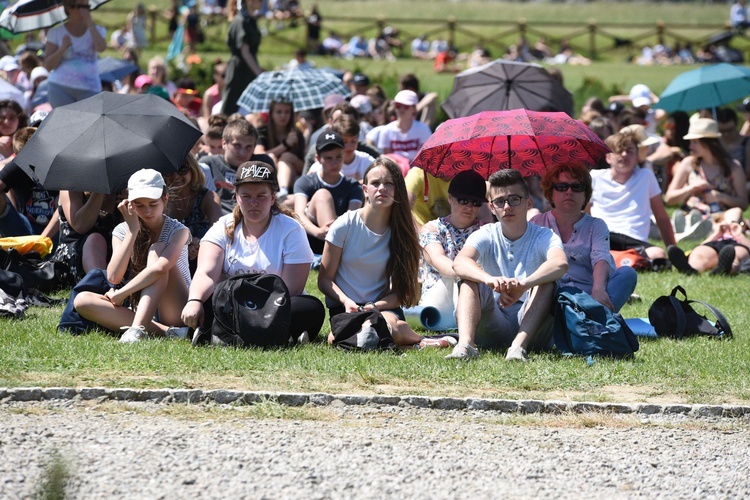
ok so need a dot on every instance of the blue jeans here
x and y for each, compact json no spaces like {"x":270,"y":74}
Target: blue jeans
{"x":13,"y":223}
{"x":621,"y":285}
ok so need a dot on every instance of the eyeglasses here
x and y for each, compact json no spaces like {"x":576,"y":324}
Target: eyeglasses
{"x":513,"y":200}
{"x":562,"y":187}
{"x":474,"y":203}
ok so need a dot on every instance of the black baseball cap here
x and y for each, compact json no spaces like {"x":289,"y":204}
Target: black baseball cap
{"x":256,"y":171}
{"x":329,"y":139}
{"x":360,"y":79}
{"x":468,"y":185}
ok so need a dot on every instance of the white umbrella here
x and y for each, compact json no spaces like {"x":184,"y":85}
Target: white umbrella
{"x":31,"y":15}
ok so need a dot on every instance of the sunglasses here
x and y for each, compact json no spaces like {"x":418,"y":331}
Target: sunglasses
{"x":474,"y":203}
{"x":513,"y":201}
{"x":562,"y":187}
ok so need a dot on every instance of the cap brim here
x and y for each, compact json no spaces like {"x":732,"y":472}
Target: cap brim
{"x":690,"y":137}
{"x":151,"y":193}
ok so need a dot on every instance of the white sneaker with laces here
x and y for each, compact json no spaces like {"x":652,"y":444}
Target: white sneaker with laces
{"x":177,"y":332}
{"x":516,"y":353}
{"x":463,"y":351}
{"x":133,"y":334}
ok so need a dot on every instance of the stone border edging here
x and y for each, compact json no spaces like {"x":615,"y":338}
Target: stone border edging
{"x":221,"y":396}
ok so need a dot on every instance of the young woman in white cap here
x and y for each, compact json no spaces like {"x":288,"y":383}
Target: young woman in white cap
{"x":259,"y":236}
{"x":152,"y":248}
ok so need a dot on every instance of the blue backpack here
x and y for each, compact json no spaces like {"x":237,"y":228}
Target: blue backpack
{"x":584,"y":326}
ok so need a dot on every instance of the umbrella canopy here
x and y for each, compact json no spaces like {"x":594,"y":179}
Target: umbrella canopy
{"x":706,"y":87}
{"x":10,"y":91}
{"x":304,"y":88}
{"x":31,"y":15}
{"x":112,"y":69}
{"x":501,"y":85}
{"x":528,"y":141}
{"x":98,"y":143}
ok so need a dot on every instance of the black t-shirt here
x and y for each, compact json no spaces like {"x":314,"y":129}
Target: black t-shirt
{"x":342,"y":193}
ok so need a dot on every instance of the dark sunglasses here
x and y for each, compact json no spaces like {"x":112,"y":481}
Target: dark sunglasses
{"x":513,"y":200}
{"x":562,"y":187}
{"x":474,"y":203}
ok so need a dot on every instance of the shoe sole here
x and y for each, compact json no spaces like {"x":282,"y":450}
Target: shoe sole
{"x":726,"y":259}
{"x":679,"y":260}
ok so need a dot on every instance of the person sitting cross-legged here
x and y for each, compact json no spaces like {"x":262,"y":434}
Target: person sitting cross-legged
{"x":321,"y":197}
{"x":508,"y":271}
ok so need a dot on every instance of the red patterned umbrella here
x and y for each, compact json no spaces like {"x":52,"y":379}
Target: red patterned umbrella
{"x":528,"y":141}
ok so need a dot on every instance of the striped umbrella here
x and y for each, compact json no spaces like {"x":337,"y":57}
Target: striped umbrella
{"x":304,"y":88}
{"x":31,"y":15}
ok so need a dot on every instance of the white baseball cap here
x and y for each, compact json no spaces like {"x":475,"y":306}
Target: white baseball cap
{"x":146,"y":183}
{"x":640,"y":95}
{"x":407,"y":98}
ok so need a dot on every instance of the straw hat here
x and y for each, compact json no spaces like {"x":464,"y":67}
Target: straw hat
{"x":703,"y":128}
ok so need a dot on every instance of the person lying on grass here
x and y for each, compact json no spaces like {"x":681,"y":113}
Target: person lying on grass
{"x":154,"y":249}
{"x":371,"y":256}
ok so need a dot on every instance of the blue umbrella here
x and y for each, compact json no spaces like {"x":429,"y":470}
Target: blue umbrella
{"x":304,"y":88}
{"x":706,"y":87}
{"x":111,"y":69}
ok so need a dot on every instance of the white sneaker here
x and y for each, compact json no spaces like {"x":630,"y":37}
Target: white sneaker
{"x":693,"y":217}
{"x":678,"y":221}
{"x":177,"y":332}
{"x":516,"y":353}
{"x":133,"y":334}
{"x":463,"y":351}
{"x":697,"y":232}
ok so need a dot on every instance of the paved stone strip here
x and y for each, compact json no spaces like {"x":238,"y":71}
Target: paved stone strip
{"x":221,"y":396}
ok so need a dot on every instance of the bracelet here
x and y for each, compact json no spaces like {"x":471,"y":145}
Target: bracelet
{"x":195,"y":300}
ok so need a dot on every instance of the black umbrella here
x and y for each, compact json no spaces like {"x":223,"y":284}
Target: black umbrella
{"x":98,"y":143}
{"x":112,"y":69}
{"x":501,"y":85}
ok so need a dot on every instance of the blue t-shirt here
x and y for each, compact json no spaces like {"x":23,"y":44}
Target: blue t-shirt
{"x":499,"y":256}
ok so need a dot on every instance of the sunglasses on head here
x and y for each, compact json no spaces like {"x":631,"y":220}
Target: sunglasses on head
{"x":474,"y":203}
{"x":562,"y":187}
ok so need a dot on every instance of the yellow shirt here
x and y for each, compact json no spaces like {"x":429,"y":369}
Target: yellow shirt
{"x":437,"y":195}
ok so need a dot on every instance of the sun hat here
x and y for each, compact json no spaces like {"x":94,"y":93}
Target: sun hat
{"x":640,"y":95}
{"x":146,"y":183}
{"x":639,"y":132}
{"x":328,"y":139}
{"x":407,"y":98}
{"x":703,"y":128}
{"x":255,"y":172}
{"x":468,"y":184}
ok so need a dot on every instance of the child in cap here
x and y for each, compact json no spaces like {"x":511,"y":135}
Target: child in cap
{"x":406,"y":134}
{"x":151,"y":248}
{"x":321,"y":197}
{"x":355,"y":162}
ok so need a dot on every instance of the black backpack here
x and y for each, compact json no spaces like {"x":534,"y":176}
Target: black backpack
{"x":251,"y":310}
{"x":676,"y":318}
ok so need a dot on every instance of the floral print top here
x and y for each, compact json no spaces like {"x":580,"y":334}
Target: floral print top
{"x":450,"y":238}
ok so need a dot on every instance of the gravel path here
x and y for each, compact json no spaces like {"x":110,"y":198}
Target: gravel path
{"x":150,"y":450}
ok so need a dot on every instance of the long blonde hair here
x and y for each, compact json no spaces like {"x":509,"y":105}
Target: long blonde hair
{"x":402,"y":269}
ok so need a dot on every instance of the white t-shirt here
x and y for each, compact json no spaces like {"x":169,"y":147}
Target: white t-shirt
{"x":406,"y":145}
{"x":168,"y":230}
{"x":354,"y":170}
{"x":77,"y":69}
{"x":361,"y":273}
{"x":284,"y":242}
{"x":626,"y":208}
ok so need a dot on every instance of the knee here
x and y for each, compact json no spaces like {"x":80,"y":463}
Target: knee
{"x":322,"y":196}
{"x":83,"y":300}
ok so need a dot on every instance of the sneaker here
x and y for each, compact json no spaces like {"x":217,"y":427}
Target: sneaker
{"x":304,"y":338}
{"x":133,"y":334}
{"x":516,"y":353}
{"x":201,"y":336}
{"x":678,"y":221}
{"x":697,"y":232}
{"x":438,"y":342}
{"x":679,"y":260}
{"x":693,"y":217}
{"x":177,"y":332}
{"x":463,"y":351}
{"x":726,"y":260}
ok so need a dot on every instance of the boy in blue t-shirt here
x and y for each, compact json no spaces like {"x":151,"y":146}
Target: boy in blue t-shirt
{"x":508,"y":271}
{"x":322,"y":196}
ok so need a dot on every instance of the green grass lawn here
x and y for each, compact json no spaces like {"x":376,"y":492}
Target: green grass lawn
{"x":32,"y":353}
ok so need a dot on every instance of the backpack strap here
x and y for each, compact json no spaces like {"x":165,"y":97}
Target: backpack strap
{"x":722,"y":325}
{"x":676,"y":303}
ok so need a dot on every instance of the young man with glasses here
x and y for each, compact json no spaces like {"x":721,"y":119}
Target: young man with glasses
{"x":508,"y":271}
